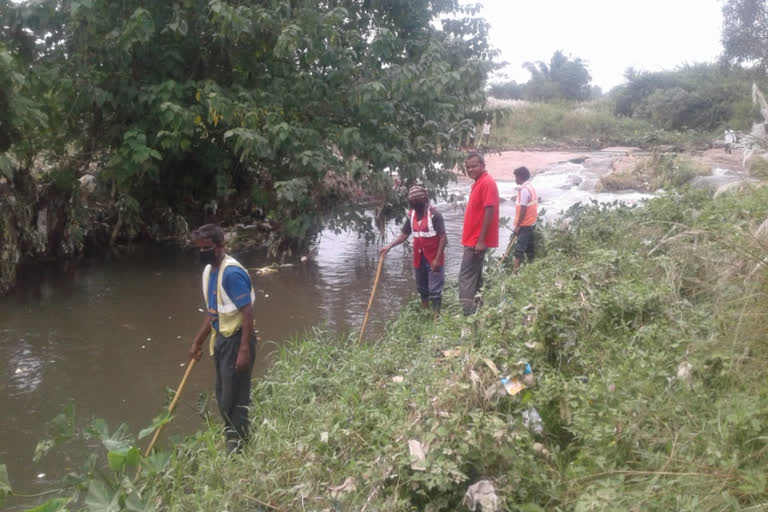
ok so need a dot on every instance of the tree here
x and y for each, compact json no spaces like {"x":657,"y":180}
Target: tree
{"x":279,"y":110}
{"x":510,"y":90}
{"x":564,"y":78}
{"x":702,"y":97}
{"x":745,"y":32}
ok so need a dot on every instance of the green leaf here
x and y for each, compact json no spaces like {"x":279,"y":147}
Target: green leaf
{"x":98,"y":429}
{"x":120,"y":459}
{"x":155,"y":424}
{"x":42,"y":449}
{"x":531,"y":507}
{"x":156,"y":463}
{"x":101,"y":498}
{"x":54,"y":505}
{"x":5,"y":484}
{"x":63,"y":425}
{"x":134,"y":503}
{"x":6,"y":166}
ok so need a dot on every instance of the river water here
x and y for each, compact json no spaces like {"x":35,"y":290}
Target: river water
{"x":112,"y":335}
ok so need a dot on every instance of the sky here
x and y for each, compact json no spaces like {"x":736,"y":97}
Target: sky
{"x":610,"y":35}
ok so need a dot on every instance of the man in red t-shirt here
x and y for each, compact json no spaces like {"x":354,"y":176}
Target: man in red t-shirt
{"x":481,"y":230}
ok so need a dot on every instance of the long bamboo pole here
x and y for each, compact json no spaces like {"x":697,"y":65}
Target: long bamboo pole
{"x":172,"y":406}
{"x":370,"y":301}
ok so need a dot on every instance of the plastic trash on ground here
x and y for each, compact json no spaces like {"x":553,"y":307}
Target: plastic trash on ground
{"x":528,"y":379}
{"x":513,"y":385}
{"x":532,"y":420}
{"x":418,"y":455}
{"x":481,"y":497}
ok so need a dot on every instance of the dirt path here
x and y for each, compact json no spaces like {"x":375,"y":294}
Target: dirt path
{"x":501,"y":166}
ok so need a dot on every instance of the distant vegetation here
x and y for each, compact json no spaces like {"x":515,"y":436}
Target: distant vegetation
{"x":688,"y":106}
{"x":704,"y":97}
{"x":564,"y":78}
{"x":584,"y":125}
{"x":660,"y":170}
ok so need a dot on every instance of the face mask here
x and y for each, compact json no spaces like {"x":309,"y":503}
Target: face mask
{"x":208,"y":257}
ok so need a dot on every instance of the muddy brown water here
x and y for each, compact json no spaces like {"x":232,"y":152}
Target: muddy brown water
{"x":112,"y":335}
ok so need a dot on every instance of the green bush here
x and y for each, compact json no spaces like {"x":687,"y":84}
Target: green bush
{"x":587,"y":125}
{"x":759,"y":168}
{"x":702,"y":97}
{"x":660,"y":170}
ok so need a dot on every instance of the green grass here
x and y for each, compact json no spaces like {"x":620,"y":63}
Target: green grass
{"x":621,"y":302}
{"x":758,"y":168}
{"x":590,"y":125}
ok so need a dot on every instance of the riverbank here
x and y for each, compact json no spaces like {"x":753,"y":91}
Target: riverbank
{"x":642,"y":326}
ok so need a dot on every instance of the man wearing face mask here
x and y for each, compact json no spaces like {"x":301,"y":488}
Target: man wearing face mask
{"x":429,"y":240}
{"x":228,"y":324}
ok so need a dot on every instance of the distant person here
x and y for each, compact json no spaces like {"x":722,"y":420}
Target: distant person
{"x":487,"y":132}
{"x":481,"y":230}
{"x":730,"y":140}
{"x":429,"y":240}
{"x":228,"y":323}
{"x":526,"y":215}
{"x":472,"y":137}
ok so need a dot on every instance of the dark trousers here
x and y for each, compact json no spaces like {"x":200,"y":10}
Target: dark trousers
{"x":233,"y":390}
{"x":430,"y":283}
{"x":470,"y":279}
{"x":526,"y":243}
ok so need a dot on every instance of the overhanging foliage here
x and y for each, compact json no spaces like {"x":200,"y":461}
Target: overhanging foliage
{"x":253,"y":104}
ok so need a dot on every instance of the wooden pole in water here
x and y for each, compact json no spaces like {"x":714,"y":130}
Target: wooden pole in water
{"x":370,"y":301}
{"x":172,"y":406}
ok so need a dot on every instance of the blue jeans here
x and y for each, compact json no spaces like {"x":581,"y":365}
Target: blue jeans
{"x":430,"y":283}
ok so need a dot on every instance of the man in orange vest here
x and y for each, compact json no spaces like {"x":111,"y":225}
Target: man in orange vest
{"x":429,"y":239}
{"x":526,"y":214}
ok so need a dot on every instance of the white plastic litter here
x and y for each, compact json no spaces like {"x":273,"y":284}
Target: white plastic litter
{"x":684,"y":371}
{"x":481,"y":497}
{"x":532,"y":420}
{"x":418,"y":456}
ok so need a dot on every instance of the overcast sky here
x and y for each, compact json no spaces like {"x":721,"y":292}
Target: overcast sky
{"x":610,"y":35}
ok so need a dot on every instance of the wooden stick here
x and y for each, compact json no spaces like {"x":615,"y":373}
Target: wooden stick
{"x":370,"y":301}
{"x":172,"y":406}
{"x":509,"y":248}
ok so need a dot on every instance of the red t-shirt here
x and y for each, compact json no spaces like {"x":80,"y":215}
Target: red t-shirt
{"x":484,"y":193}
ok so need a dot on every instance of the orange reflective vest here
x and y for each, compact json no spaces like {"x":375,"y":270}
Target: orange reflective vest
{"x":531,"y":212}
{"x":425,"y":239}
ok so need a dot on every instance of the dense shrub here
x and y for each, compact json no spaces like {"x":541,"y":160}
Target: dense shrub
{"x":704,"y":97}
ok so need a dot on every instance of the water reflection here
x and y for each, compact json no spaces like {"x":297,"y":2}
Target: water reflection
{"x":26,"y":368}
